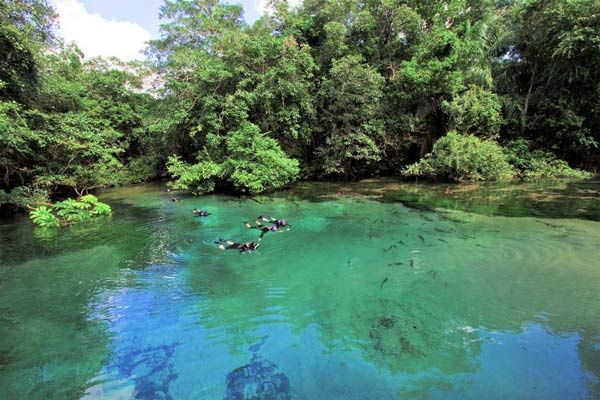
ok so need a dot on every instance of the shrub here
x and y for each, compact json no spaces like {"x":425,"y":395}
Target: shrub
{"x":43,"y":217}
{"x":256,"y":163}
{"x":539,"y":164}
{"x":199,"y":178}
{"x":251,"y":162}
{"x":70,"y":211}
{"x":22,"y":196}
{"x":463,"y":157}
{"x":476,"y":111}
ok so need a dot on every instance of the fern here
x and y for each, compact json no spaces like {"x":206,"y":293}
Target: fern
{"x":70,"y":211}
{"x":43,"y":217}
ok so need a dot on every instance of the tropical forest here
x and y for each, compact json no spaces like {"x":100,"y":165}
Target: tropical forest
{"x":337,"y":199}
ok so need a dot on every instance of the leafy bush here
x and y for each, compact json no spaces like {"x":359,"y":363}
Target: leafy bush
{"x":69,"y":211}
{"x":539,"y":164}
{"x":463,"y":157}
{"x":476,"y":111}
{"x":43,"y":217}
{"x":199,"y":178}
{"x":256,"y":163}
{"x":22,"y":196}
{"x":251,"y":162}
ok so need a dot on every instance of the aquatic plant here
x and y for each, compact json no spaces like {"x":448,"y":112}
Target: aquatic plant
{"x":69,"y":211}
{"x":43,"y":217}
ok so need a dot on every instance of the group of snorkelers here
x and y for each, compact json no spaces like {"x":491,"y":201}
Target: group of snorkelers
{"x":277,"y":225}
{"x":261,"y":224}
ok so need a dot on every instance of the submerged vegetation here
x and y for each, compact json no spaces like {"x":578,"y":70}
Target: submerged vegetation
{"x":453,"y":89}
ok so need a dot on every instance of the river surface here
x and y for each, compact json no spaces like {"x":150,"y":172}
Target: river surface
{"x":380,"y":290}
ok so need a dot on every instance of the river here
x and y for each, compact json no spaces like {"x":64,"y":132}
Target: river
{"x":380,"y":290}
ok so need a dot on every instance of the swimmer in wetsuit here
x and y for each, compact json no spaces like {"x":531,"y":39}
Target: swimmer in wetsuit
{"x":200,"y":213}
{"x":242,"y":247}
{"x":263,"y":228}
{"x":279,"y":223}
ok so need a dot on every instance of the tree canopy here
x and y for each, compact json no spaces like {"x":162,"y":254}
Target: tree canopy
{"x":326,"y":90}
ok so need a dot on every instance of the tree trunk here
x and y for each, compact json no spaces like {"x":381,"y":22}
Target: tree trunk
{"x":526,"y":106}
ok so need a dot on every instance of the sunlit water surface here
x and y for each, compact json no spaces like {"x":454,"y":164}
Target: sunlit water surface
{"x":380,"y":290}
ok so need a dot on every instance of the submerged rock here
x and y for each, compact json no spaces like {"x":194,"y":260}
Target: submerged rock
{"x":258,"y":380}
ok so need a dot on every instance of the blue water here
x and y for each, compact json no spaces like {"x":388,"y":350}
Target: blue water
{"x":361,"y":299}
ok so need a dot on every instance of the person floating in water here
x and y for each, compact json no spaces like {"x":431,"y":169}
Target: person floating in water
{"x":175,"y":199}
{"x":279,"y":223}
{"x":242,"y":247}
{"x":263,"y":228}
{"x":200,"y":213}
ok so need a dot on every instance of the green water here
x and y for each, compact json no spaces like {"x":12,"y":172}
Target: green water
{"x":380,"y":290}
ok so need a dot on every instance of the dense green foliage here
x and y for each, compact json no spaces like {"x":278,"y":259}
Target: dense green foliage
{"x":464,"y":157}
{"x":248,"y":159}
{"x":69,"y":211}
{"x":65,"y":125}
{"x":326,"y":89}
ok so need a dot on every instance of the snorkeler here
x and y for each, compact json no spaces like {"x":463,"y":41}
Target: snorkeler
{"x":263,"y":228}
{"x":242,"y":247}
{"x":279,"y":223}
{"x":200,"y":213}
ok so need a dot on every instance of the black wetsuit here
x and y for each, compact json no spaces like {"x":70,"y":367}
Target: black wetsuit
{"x":242,"y":247}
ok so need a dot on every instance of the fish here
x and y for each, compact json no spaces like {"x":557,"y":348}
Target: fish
{"x":442,"y":240}
{"x":383,"y":282}
{"x":412,"y":264}
{"x":400,"y":242}
{"x":349,"y":261}
{"x":396,"y":263}
{"x":421,"y":237}
{"x":550,"y":225}
{"x":442,"y":230}
{"x":391,"y":247}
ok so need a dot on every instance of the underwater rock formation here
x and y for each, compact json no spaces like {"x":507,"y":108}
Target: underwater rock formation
{"x":258,"y":380}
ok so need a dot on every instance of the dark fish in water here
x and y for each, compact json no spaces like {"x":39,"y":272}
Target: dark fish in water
{"x":442,"y":230}
{"x":421,"y":237}
{"x":478,"y":245}
{"x":412,"y":264}
{"x":433,"y":274}
{"x":550,"y":225}
{"x":465,"y":237}
{"x":455,"y":220}
{"x":391,"y":247}
{"x":400,"y":242}
{"x":395,"y":263}
{"x":349,"y":262}
{"x":383,"y":282}
{"x":442,"y":240}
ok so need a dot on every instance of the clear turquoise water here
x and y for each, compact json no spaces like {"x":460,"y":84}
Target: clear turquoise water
{"x":380,"y":291}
